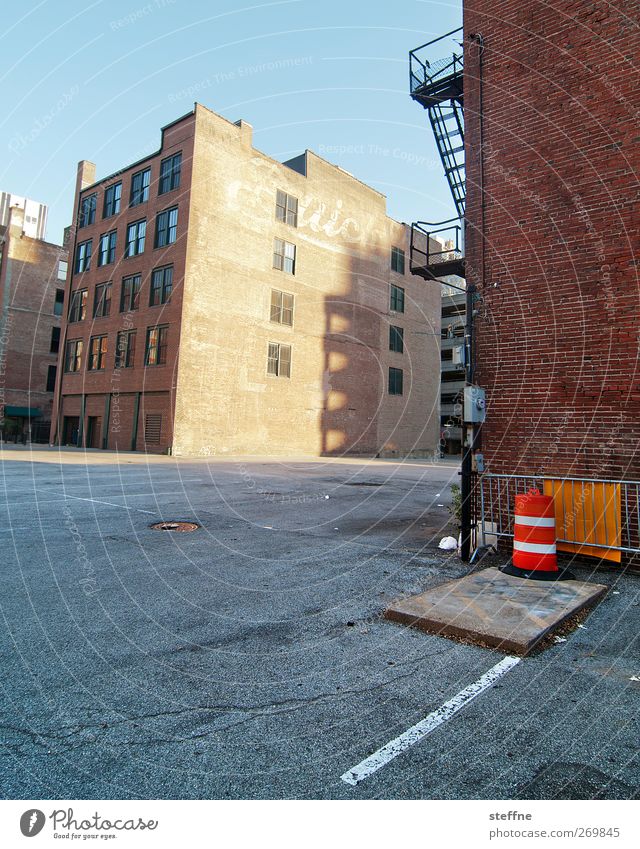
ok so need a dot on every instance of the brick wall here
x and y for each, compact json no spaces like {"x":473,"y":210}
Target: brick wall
{"x":124,"y":384}
{"x":336,"y":398}
{"x":557,"y":329}
{"x":29,"y":278}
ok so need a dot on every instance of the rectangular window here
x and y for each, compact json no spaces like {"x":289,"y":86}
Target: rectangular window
{"x":166,"y":227}
{"x":136,"y":233}
{"x":126,"y":349}
{"x":107,"y":248}
{"x":161,"y":286}
{"x":152,"y":428}
{"x":112,"y":197}
{"x":83,"y":256}
{"x":51,"y":378}
{"x":395,"y":381}
{"x":286,"y":208}
{"x":396,"y":300}
{"x":97,"y":353}
{"x":130,"y":293}
{"x":58,"y":304}
{"x":63,"y":267}
{"x":279,"y":360}
{"x":284,"y":256}
{"x":54,"y":347}
{"x":155,"y":353}
{"x":396,"y":339}
{"x":170,"y":173}
{"x":102,"y":300}
{"x":140,"y":182}
{"x":281,"y":307}
{"x":78,"y":305}
{"x":397,"y":260}
{"x":87,"y":213}
{"x":73,"y":355}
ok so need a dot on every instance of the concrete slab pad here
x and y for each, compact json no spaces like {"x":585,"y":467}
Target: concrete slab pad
{"x":500,"y":610}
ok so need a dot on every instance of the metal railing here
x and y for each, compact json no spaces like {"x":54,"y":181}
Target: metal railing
{"x":422,"y":252}
{"x":594,"y":514}
{"x":425,"y":72}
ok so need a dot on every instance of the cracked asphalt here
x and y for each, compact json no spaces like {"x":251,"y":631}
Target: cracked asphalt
{"x":249,"y":659}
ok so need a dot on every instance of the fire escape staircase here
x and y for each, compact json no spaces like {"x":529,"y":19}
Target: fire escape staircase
{"x":438,"y":86}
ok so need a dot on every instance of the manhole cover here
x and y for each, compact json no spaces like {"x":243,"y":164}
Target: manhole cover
{"x":181,"y":527}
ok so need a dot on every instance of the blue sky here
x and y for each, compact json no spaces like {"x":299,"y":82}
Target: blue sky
{"x":97,"y":80}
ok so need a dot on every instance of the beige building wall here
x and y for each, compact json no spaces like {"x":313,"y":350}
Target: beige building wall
{"x":336,"y":399}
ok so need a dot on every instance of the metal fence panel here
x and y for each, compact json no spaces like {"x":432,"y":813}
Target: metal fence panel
{"x":593,"y":516}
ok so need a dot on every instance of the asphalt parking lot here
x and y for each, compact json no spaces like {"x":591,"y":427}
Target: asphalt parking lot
{"x":249,"y":659}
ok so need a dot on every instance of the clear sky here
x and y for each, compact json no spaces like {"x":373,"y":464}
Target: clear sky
{"x":96,"y":80}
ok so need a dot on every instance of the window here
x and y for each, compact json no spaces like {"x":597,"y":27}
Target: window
{"x":54,"y":347}
{"x":156,"y":348}
{"x":87,"y":213}
{"x":170,"y":173}
{"x":396,"y":301}
{"x":78,"y":305}
{"x":83,"y":256}
{"x":397,"y":260}
{"x":107,"y":248}
{"x":140,"y":187}
{"x":136,"y":233}
{"x":112,"y":197}
{"x":51,"y":378}
{"x":152,"y":428}
{"x":279,"y":360}
{"x":281,"y":307}
{"x":286,"y":208}
{"x":396,"y":339}
{"x":63,"y":267}
{"x":102,"y":300}
{"x":126,"y":349}
{"x":97,"y":353}
{"x":284,"y":256}
{"x":166,"y":227}
{"x":130,"y":293}
{"x":58,"y":304}
{"x":161,"y":285}
{"x":73,"y":355}
{"x":395,"y":381}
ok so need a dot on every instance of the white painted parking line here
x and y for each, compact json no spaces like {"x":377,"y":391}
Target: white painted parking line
{"x":96,"y":501}
{"x":414,"y":734}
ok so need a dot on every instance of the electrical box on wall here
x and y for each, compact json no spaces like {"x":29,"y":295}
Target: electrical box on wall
{"x":474,"y":404}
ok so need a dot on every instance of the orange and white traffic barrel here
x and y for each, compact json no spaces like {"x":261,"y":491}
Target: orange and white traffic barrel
{"x":534,"y":538}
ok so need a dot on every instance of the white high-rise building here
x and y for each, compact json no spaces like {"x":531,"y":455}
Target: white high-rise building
{"x":35,"y":214}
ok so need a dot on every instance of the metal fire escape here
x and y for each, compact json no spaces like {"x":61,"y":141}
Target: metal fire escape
{"x":437,"y":84}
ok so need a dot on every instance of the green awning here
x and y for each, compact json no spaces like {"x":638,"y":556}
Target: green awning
{"x":23,"y":412}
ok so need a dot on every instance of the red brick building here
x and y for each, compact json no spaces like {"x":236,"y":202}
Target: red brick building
{"x":32,"y":280}
{"x":552,"y":135}
{"x":106,"y":397}
{"x":221,"y":302}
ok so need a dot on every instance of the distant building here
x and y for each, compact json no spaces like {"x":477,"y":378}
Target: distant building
{"x":32,"y":279}
{"x":222,"y":302}
{"x":453,"y":366}
{"x":35,"y":214}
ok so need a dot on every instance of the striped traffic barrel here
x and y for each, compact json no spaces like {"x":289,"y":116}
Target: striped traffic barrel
{"x":534,"y":535}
